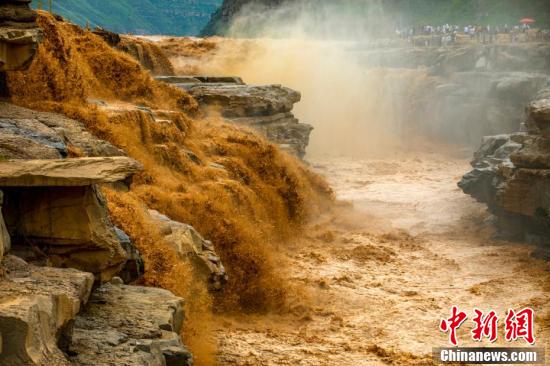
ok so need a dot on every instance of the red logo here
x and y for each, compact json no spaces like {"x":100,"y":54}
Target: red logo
{"x":453,"y":323}
{"x":486,"y":326}
{"x":520,"y":325}
{"x":517,"y":325}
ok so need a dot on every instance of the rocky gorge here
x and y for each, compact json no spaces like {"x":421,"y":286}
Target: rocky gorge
{"x":96,"y":175}
{"x":510,"y":175}
{"x":454,"y":95}
{"x":55,"y":217}
{"x":139,"y":202}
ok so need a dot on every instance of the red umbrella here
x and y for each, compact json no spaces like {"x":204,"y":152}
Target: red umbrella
{"x":527,"y":21}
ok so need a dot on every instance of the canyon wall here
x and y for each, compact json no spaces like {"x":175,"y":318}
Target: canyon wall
{"x":265,"y":108}
{"x":402,"y":96}
{"x":19,"y":35}
{"x":511,"y":175}
{"x":474,"y":90}
{"x":172,"y":198}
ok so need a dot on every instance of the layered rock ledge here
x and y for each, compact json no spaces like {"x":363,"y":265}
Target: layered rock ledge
{"x":19,"y":34}
{"x":50,"y":316}
{"x":266,"y":108}
{"x":54,"y":216}
{"x":511,"y":174}
{"x":53,"y":211}
{"x":38,"y":306}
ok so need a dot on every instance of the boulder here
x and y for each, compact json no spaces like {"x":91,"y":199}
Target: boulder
{"x":38,"y":306}
{"x":130,"y":325}
{"x":190,"y":245}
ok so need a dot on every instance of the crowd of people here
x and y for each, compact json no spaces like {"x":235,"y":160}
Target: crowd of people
{"x":448,"y":34}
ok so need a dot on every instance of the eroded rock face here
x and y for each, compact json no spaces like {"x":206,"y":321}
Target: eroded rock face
{"x":190,"y":245}
{"x":266,"y":108}
{"x":19,"y":35}
{"x":236,"y":101}
{"x":66,"y":226}
{"x":505,"y":57}
{"x":55,"y":213}
{"x":37,"y":308}
{"x":44,"y":320}
{"x":130,"y":325}
{"x":512,"y":176}
{"x":28,"y":134}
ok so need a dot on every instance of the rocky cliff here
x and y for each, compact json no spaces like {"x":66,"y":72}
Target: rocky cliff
{"x":454,"y":94}
{"x":19,"y":35}
{"x":54,"y":216}
{"x":74,"y":195}
{"x":266,"y":108}
{"x":511,"y":174}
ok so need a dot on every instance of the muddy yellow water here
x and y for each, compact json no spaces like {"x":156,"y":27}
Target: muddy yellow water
{"x":374,"y":279}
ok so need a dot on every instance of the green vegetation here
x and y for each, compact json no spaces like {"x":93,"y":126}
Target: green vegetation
{"x":172,"y":17}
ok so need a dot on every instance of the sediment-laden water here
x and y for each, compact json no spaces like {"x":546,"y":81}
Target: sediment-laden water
{"x":377,"y":278}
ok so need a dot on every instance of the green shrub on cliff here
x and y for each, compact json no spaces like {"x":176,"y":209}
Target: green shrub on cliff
{"x":174,"y":17}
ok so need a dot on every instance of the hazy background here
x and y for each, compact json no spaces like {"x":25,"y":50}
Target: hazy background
{"x":189,"y":17}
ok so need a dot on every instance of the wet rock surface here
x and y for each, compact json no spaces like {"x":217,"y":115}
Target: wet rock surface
{"x":189,"y":244}
{"x":266,"y":108}
{"x":512,"y":176}
{"x":146,"y":52}
{"x":130,"y":325}
{"x":28,"y":134}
